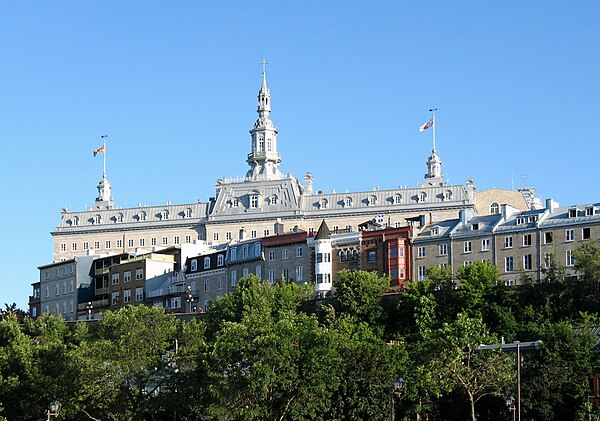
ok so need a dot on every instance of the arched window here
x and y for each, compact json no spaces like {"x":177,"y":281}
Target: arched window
{"x":165,"y":214}
{"x":233,"y":255}
{"x":348,"y":202}
{"x":143,"y":216}
{"x":98,"y":219}
{"x":494,"y":209}
{"x":274,"y":199}
{"x":324,"y":203}
{"x":220,"y":260}
{"x":397,"y":199}
{"x":257,"y":249}
{"x":373,"y":200}
{"x":448,"y":195}
{"x":75,"y":220}
{"x":207,"y":263}
{"x":188,"y":213}
{"x":120,"y":217}
{"x":422,"y":196}
{"x":194,"y":265}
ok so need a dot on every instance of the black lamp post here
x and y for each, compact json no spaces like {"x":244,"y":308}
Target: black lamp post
{"x":510,"y":404}
{"x":396,"y":393}
{"x":53,"y":410}
{"x":190,"y":298}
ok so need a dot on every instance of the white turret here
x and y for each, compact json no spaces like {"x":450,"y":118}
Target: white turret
{"x":323,"y":265}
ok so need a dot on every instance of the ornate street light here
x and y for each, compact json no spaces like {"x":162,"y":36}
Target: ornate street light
{"x":190,"y":298}
{"x":53,"y":410}
{"x":89,"y":309}
{"x":510,"y":404}
{"x":396,"y":393}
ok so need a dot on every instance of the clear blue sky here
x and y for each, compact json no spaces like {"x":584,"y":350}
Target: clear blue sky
{"x":174,"y":85}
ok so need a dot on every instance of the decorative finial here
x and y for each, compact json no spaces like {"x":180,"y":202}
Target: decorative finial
{"x":264,"y":63}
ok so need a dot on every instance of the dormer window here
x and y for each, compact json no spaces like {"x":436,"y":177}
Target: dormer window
{"x":572,"y":213}
{"x":75,"y":220}
{"x":448,"y":195}
{"x":143,"y":216}
{"x":120,"y":217}
{"x":494,"y":209}
{"x":475,"y":227}
{"x":165,"y":214}
{"x":233,"y":255}
{"x":97,"y":219}
{"x":348,"y":202}
{"x":324,"y":203}
{"x":254,"y":201}
{"x":422,"y":197}
{"x":435,"y":230}
{"x":207,"y":262}
{"x":373,"y":200}
{"x":589,"y":211}
{"x":274,"y":199}
{"x":188,"y":213}
{"x":397,"y":199}
{"x":220,"y":260}
{"x":194,"y":265}
{"x":532,"y":218}
{"x":235,"y":202}
{"x":520,"y":220}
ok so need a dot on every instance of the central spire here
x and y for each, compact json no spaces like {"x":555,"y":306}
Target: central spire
{"x":264,"y":158}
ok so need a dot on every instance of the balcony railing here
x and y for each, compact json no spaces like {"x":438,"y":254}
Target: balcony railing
{"x":166,"y":291}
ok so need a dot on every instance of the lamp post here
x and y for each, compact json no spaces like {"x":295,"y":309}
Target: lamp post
{"x":518,"y":347}
{"x":89,"y":309}
{"x":510,"y":404}
{"x":396,"y":393}
{"x":53,"y":410}
{"x":190,"y":297}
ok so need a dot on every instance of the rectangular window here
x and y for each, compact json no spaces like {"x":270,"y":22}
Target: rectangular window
{"x":215,"y":236}
{"x":139,"y":274}
{"x":272,"y":276}
{"x":74,"y":246}
{"x":570,"y":235}
{"x":422,"y":273}
{"x":253,"y":234}
{"x":142,"y":242}
{"x":527,"y":240}
{"x":421,"y":251}
{"x":443,"y":249}
{"x":57,"y":289}
{"x":115,"y":298}
{"x":547,"y":259}
{"x":245,"y":273}
{"x":527,"y":264}
{"x":115,"y":278}
{"x":176,"y":239}
{"x":71,"y":286}
{"x":130,"y":242}
{"x":286,"y":274}
{"x":285,"y":254}
{"x":96,"y":245}
{"x":299,"y":251}
{"x":234,"y":278}
{"x":547,"y":238}
{"x":165,"y":241}
{"x":258,"y":271}
{"x":71,"y":306}
{"x":188,"y":239}
{"x":64,"y":287}
{"x":175,"y":302}
{"x":508,"y":243}
{"x":485,"y":244}
{"x":299,"y":273}
{"x":585,"y":234}
{"x":119,"y":244}
{"x":271,"y":255}
{"x":468,"y":247}
{"x":266,"y":233}
{"x":86,"y":245}
{"x":127,"y":276}
{"x":228,"y":235}
{"x":63,"y":247}
{"x":508,"y":264}
{"x":139,"y":294}
{"x":107,"y":244}
{"x":153,"y":241}
{"x":570,"y":259}
{"x":127,"y":296}
{"x":372,"y":256}
{"x":220,"y":283}
{"x":206,"y":285}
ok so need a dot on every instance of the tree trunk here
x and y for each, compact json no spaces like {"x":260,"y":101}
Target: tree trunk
{"x":472,"y":402}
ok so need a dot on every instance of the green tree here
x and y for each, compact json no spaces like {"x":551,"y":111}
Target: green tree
{"x":359,"y":294}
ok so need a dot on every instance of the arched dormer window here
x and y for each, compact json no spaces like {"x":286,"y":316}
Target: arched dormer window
{"x":422,"y":197}
{"x":188,"y":213}
{"x":207,"y":262}
{"x":494,"y":209}
{"x":348,"y":202}
{"x":97,"y":219}
{"x":75,"y":220}
{"x":235,"y":202}
{"x":165,"y":214}
{"x":397,"y":199}
{"x":324,"y":203}
{"x":372,"y":200}
{"x":256,"y":249}
{"x":120,"y":217}
{"x":233,"y":254}
{"x":194,"y":265}
{"x":220,"y":260}
{"x":448,"y":195}
{"x":143,"y":216}
{"x":274,"y":199}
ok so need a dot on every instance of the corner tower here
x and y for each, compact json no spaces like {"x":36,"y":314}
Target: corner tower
{"x":264,"y":158}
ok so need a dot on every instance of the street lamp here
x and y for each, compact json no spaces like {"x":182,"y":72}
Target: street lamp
{"x":396,"y":393}
{"x":510,"y":404}
{"x":190,"y":298}
{"x":53,"y":410}
{"x":89,"y":309}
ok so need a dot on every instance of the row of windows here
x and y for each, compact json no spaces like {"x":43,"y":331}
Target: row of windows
{"x":194,"y":262}
{"x":57,"y":308}
{"x":285,"y":253}
{"x":116,"y":296}
{"x":116,"y":277}
{"x":130,"y":243}
{"x":119,"y":218}
{"x":373,"y":199}
{"x":57,"y":271}
{"x":57,"y":288}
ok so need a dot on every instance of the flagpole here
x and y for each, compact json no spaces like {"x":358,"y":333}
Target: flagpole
{"x":433,"y":110}
{"x":104,"y":146}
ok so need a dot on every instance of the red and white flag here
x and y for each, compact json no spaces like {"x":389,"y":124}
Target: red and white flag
{"x":99,"y":150}
{"x":426,"y":125}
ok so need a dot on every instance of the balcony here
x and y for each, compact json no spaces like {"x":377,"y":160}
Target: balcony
{"x":175,"y":289}
{"x":95,"y":304}
{"x":101,"y":291}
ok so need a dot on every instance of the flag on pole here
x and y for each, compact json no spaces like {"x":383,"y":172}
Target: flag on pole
{"x":99,"y":150}
{"x":426,"y":125}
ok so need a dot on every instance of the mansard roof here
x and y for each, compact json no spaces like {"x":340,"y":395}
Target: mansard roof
{"x":563,"y":215}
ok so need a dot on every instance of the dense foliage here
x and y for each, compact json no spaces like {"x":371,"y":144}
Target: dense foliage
{"x":269,"y":352}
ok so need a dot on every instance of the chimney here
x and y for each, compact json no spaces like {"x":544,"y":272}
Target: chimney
{"x":308,"y":183}
{"x":551,"y":205}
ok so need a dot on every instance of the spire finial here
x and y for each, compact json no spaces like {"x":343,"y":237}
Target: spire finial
{"x":264,"y":63}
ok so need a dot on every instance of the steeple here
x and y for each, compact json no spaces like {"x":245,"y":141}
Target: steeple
{"x":104,"y":199}
{"x":264,"y":158}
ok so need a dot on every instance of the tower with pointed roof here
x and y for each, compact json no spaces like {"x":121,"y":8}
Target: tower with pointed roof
{"x":264,"y":159}
{"x":323,"y":265}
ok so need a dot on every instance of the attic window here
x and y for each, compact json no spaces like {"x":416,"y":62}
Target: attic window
{"x":520,"y":220}
{"x":348,"y":202}
{"x":397,"y":199}
{"x":373,"y":200}
{"x":475,"y":227}
{"x":572,"y":213}
{"x":448,"y":195}
{"x":324,"y":204}
{"x":188,"y":213}
{"x":589,"y":211}
{"x":422,"y":196}
{"x":532,"y":218}
{"x":75,"y":220}
{"x":435,"y":231}
{"x":236,"y":202}
{"x":494,"y":209}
